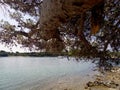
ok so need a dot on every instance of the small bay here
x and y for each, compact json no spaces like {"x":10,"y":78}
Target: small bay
{"x":23,"y":73}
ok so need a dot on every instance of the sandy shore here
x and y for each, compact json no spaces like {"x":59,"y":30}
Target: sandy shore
{"x":98,"y":81}
{"x":68,"y":82}
{"x":110,"y":80}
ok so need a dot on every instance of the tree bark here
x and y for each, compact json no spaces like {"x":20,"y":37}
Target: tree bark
{"x":55,"y":12}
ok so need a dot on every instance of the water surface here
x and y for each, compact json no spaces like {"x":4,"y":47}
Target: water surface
{"x":19,"y":72}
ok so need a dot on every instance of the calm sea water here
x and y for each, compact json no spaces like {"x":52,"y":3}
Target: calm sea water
{"x":19,"y":72}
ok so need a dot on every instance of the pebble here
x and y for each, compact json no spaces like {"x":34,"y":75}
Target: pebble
{"x":107,"y":80}
{"x":101,"y":83}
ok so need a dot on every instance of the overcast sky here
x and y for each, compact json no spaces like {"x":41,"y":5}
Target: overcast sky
{"x":4,"y":16}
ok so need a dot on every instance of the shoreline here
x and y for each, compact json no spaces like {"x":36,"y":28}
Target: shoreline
{"x":68,"y":82}
{"x":109,"y":80}
{"x":80,"y":82}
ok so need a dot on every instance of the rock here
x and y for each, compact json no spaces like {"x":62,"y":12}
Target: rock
{"x":115,"y":69}
{"x":109,"y":84}
{"x":113,"y":85}
{"x":90,"y":84}
{"x":110,"y":80}
{"x":86,"y":87}
{"x":65,"y":89}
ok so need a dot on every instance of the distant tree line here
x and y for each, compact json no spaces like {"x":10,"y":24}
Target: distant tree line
{"x":32,"y":54}
{"x":3,"y":53}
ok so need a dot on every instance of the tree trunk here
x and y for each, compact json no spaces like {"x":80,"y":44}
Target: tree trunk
{"x":55,"y":12}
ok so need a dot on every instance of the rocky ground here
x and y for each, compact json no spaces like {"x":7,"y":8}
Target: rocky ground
{"x":109,"y":80}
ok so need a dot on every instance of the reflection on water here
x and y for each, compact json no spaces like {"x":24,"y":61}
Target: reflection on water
{"x":18,"y":72}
